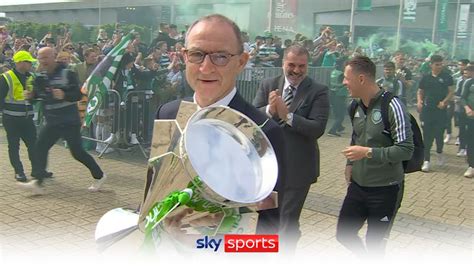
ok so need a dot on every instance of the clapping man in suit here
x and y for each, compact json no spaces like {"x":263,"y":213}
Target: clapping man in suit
{"x":214,"y":57}
{"x":301,"y":107}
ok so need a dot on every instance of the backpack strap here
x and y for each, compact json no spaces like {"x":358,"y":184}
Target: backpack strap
{"x":467,"y":83}
{"x":386,"y":99}
{"x":352,"y":109}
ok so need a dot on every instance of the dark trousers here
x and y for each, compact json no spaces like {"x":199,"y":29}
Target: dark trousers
{"x":376,"y":205}
{"x":470,"y":141}
{"x":433,"y":129}
{"x":290,"y":211}
{"x":71,"y":133}
{"x":269,"y":220}
{"x":450,"y":115}
{"x":339,"y":109}
{"x":462,"y":124}
{"x":20,"y":128}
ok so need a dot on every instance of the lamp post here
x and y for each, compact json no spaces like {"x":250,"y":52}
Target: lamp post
{"x":351,"y":24}
{"x":435,"y":20}
{"x":399,"y":25}
{"x":100,"y":12}
{"x":456,"y":25}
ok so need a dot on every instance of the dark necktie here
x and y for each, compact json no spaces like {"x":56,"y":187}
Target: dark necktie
{"x":288,"y":99}
{"x":289,"y":96}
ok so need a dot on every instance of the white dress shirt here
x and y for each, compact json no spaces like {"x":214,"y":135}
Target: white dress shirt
{"x":285,"y":92}
{"x":222,"y":102}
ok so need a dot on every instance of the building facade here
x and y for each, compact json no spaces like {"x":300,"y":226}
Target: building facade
{"x":284,"y":18}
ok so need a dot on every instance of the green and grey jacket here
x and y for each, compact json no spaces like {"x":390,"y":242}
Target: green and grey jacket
{"x":385,"y":168}
{"x":467,"y":96}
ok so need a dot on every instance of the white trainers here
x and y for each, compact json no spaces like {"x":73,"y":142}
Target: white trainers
{"x":441,"y":159}
{"x":462,"y":153}
{"x":469,"y":173}
{"x":426,"y":166}
{"x":133,"y":139}
{"x":447,"y":138}
{"x":32,"y":186}
{"x":458,"y":142}
{"x":98,"y":183}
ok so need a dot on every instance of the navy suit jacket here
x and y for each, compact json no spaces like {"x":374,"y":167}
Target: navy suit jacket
{"x":268,"y":219}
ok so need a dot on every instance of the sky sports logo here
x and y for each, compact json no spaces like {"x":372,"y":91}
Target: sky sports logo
{"x":240,"y":243}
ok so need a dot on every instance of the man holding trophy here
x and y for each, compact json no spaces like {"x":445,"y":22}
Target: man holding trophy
{"x":215,"y":160}
{"x":214,"y":58}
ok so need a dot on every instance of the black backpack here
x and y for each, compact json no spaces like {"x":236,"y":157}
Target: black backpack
{"x":416,"y":161}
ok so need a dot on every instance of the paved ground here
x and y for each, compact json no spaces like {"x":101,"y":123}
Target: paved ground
{"x":436,"y":218}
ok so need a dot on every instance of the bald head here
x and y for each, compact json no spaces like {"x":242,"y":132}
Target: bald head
{"x":219,"y":19}
{"x":46,"y":58}
{"x":46,"y":50}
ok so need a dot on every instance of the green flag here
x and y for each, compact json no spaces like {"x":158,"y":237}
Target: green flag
{"x":364,"y":5}
{"x":443,"y":15}
{"x":409,"y":10}
{"x":463,"y":22}
{"x":101,"y":78}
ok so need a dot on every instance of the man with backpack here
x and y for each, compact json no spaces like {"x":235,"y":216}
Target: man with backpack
{"x":375,"y":161}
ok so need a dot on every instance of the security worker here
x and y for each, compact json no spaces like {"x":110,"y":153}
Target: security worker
{"x":18,"y":112}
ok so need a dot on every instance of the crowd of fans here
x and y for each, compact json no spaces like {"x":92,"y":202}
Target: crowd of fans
{"x":159,"y":66}
{"x":146,"y":67}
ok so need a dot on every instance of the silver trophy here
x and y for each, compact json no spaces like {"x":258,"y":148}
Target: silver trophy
{"x":216,"y":157}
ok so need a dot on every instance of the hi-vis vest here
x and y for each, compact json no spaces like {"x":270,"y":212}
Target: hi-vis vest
{"x":15,"y":103}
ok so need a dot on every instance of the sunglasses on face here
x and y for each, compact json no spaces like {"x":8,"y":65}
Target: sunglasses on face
{"x":218,"y":58}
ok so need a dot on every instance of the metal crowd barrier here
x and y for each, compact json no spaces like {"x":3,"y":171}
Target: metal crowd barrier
{"x":138,"y":117}
{"x":134,"y":114}
{"x":107,"y":116}
{"x":249,"y":80}
{"x":131,"y":115}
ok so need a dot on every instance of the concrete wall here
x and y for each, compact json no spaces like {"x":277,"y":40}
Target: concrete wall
{"x":251,"y":15}
{"x":84,"y":16}
{"x":384,"y":13}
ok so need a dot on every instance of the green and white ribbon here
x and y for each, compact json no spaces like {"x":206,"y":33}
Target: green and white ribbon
{"x":187,"y":197}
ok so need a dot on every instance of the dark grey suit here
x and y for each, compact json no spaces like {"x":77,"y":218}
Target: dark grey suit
{"x":268,"y":221}
{"x":310,"y":107}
